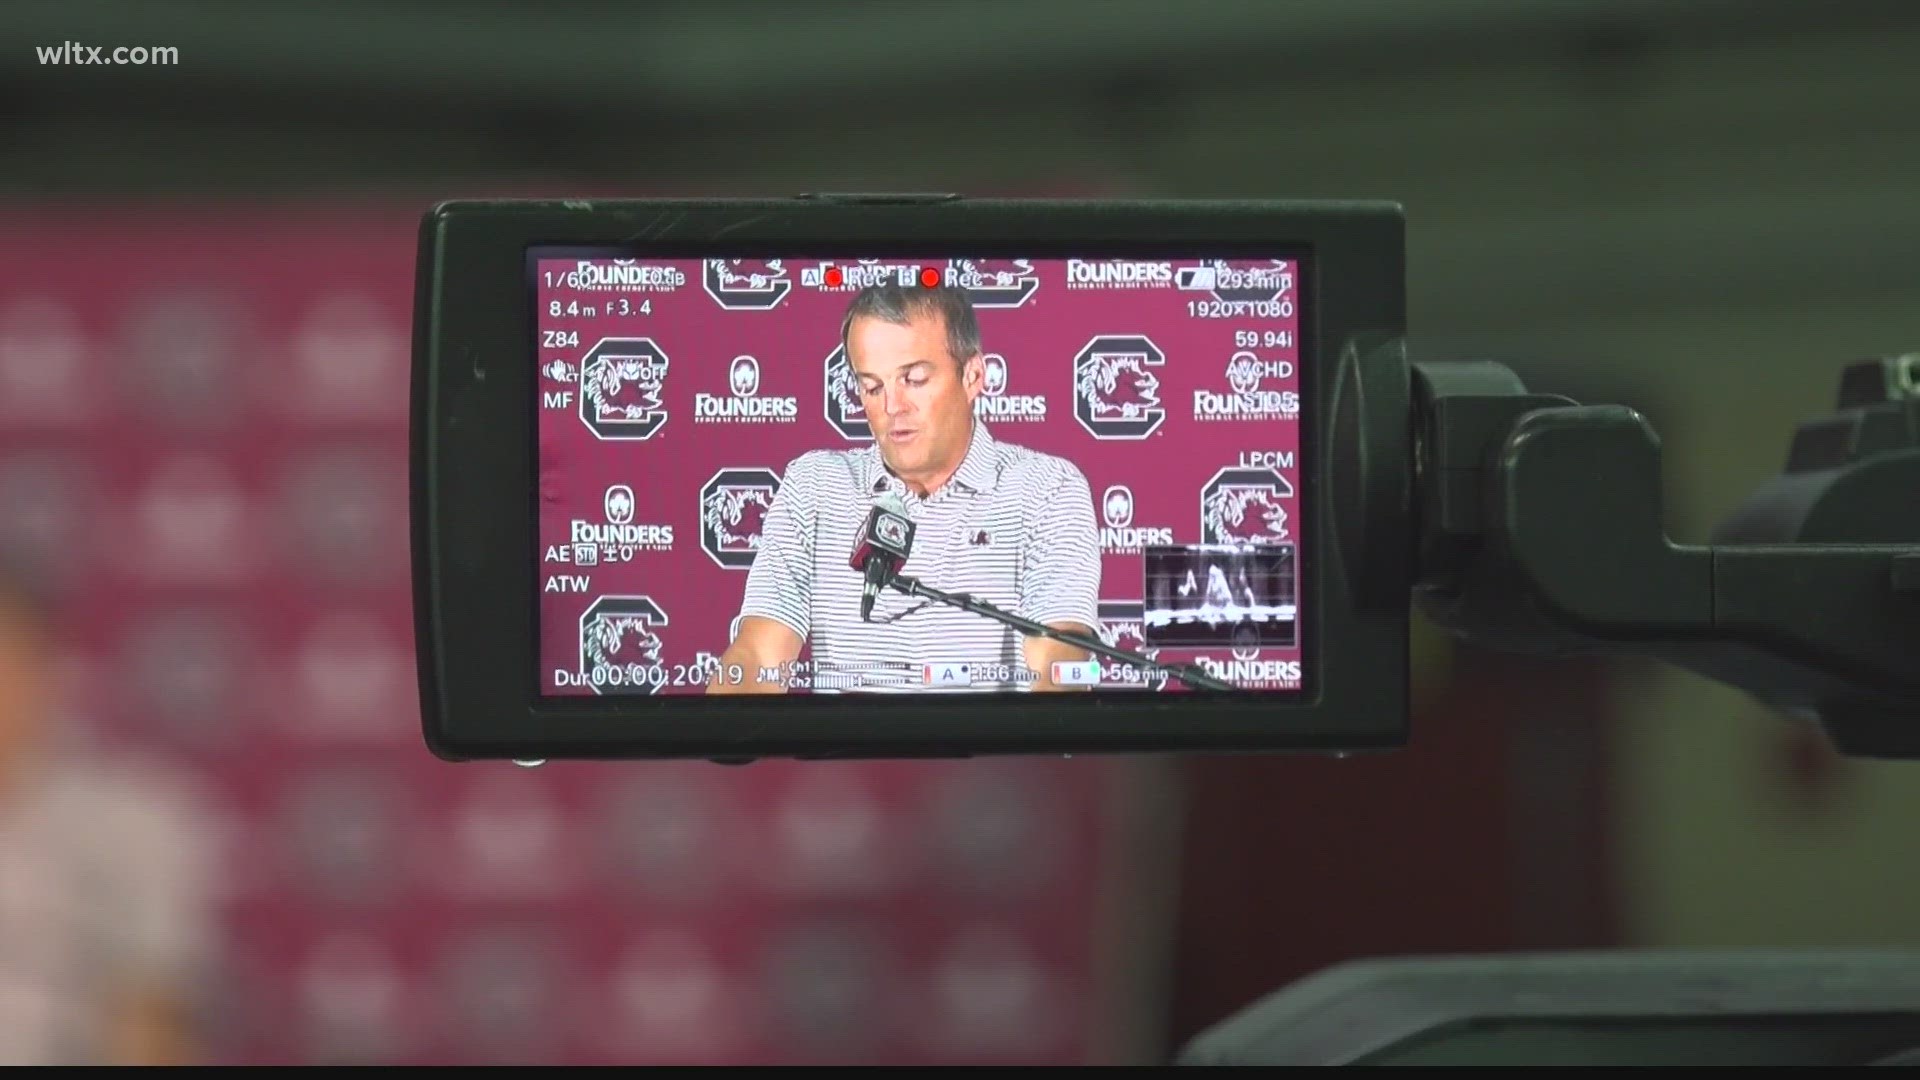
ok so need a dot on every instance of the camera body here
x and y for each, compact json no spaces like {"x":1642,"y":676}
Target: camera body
{"x":647,"y":436}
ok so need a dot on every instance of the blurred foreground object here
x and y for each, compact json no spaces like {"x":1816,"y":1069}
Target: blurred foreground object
{"x":105,"y":905}
{"x":1767,"y":1007}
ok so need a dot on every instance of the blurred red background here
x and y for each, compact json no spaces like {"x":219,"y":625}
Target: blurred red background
{"x":203,"y":459}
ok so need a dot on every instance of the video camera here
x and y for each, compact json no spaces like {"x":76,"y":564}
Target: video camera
{"x":897,"y":476}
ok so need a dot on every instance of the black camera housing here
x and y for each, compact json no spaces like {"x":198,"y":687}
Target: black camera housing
{"x":474,"y":478}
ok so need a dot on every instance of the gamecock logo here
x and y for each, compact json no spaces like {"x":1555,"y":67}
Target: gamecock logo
{"x":746,"y":284}
{"x":1116,"y":393}
{"x":1120,"y":622}
{"x":619,"y":645}
{"x":843,"y":407}
{"x":621,"y":380}
{"x":1243,"y":373}
{"x":733,"y":507}
{"x":1245,"y":506}
{"x":994,"y":283}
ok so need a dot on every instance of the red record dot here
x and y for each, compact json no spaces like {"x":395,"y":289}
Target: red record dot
{"x":929,"y":277}
{"x":833,"y":277}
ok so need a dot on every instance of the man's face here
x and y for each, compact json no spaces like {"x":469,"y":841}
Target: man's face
{"x":918,"y":399}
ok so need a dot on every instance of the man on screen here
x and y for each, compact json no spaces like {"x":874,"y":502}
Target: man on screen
{"x":1006,"y":524}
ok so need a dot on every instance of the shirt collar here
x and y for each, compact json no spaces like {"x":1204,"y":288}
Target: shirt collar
{"x":977,"y":471}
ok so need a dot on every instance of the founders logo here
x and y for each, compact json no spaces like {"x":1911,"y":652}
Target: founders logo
{"x":618,"y":537}
{"x":994,"y":283}
{"x":348,"y":353}
{"x":617,"y":504}
{"x":1116,"y":393}
{"x":746,"y":284}
{"x":1118,"y":534}
{"x":996,"y":374}
{"x":733,"y":507}
{"x":844,"y":410}
{"x":619,"y":646}
{"x":994,"y":403}
{"x":1245,"y":505}
{"x":1118,"y":274}
{"x":193,"y":521}
{"x":624,"y":275}
{"x":621,"y":380}
{"x":345,"y":674}
{"x":744,"y":376}
{"x":1120,"y":623}
{"x":746,"y":406}
{"x":1248,"y":400}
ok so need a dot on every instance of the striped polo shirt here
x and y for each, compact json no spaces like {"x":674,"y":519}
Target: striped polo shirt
{"x":1013,"y":526}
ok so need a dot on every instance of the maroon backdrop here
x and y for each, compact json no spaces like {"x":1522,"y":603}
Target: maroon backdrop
{"x":676,"y":392}
{"x":203,"y":456}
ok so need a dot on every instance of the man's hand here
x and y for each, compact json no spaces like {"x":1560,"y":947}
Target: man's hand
{"x":763,"y":644}
{"x":1041,"y":653}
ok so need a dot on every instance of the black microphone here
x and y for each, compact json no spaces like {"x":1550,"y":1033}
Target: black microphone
{"x":881,"y":548}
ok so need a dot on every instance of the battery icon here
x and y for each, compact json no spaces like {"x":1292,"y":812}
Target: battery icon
{"x":1076,"y":672}
{"x":937,"y":675}
{"x":1195,"y":278}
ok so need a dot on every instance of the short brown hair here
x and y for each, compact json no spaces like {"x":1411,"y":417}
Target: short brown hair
{"x":901,"y":304}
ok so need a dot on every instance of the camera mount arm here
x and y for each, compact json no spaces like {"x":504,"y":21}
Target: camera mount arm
{"x":1541,"y":531}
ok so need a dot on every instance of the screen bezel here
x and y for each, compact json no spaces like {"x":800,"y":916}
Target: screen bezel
{"x":477,"y":565}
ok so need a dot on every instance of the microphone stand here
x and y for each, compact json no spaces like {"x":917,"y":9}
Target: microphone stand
{"x":1192,"y":674}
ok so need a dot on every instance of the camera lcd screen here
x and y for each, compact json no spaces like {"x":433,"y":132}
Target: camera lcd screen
{"x":1108,"y":445}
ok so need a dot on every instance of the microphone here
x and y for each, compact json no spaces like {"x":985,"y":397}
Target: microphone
{"x":881,"y":548}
